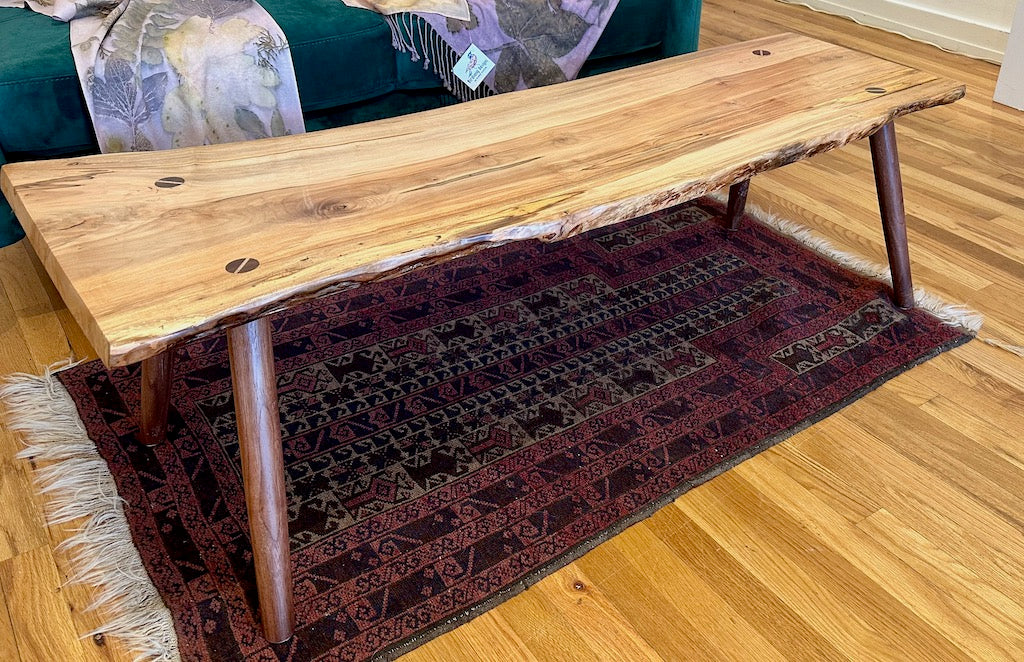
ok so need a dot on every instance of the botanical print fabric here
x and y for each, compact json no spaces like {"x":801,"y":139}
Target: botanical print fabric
{"x":453,"y":8}
{"x":532,"y":42}
{"x":172,"y":73}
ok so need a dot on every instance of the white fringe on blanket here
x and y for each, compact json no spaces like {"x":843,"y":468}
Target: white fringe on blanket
{"x":433,"y":50}
{"x":77,"y":485}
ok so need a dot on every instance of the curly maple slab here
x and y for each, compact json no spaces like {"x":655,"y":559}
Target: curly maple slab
{"x":149,"y":249}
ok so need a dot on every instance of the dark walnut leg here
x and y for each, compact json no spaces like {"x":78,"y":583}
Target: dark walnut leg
{"x":894,"y":218}
{"x":259,"y":436}
{"x":157,"y":372}
{"x":737,"y":204}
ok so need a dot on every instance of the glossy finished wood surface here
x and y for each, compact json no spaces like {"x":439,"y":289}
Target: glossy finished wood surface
{"x":251,"y":349}
{"x":889,"y":188}
{"x":157,"y":375}
{"x":891,"y":530}
{"x":360,"y":203}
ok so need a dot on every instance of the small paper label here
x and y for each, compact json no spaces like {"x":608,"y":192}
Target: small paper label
{"x":473,"y":67}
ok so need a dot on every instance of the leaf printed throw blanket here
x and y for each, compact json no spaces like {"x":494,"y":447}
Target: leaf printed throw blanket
{"x":531,"y":42}
{"x":172,"y":73}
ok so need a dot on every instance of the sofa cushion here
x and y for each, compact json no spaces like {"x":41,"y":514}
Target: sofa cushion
{"x":342,"y":56}
{"x":10,"y":231}
{"x":39,"y":94}
{"x":38,"y":78}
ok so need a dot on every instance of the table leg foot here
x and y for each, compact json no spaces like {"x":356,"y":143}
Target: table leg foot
{"x":737,"y":204}
{"x":157,"y":373}
{"x":259,"y":435}
{"x":894,"y":220}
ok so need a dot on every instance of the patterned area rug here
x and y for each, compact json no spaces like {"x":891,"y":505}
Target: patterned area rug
{"x":453,"y":435}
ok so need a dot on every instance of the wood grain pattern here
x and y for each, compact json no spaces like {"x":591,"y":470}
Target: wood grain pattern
{"x":142,"y":267}
{"x":157,"y":374}
{"x":872,"y":626}
{"x":894,"y":218}
{"x":21,"y":529}
{"x":588,"y":611}
{"x":8,"y":640}
{"x":259,"y":438}
{"x":901,"y":567}
{"x":40,"y":618}
{"x":699,"y":602}
{"x":963,"y":176}
{"x":544,"y":634}
{"x":493,"y":640}
{"x":737,"y":203}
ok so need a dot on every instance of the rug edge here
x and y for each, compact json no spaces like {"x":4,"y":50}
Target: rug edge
{"x":392,"y":653}
{"x":42,"y":411}
{"x":956,"y":315}
{"x":78,"y":484}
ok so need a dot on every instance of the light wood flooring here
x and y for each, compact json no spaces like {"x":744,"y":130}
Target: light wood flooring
{"x":892,"y":530}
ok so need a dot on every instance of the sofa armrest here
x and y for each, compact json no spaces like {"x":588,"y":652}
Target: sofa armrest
{"x":10,"y":230}
{"x":683,"y":28}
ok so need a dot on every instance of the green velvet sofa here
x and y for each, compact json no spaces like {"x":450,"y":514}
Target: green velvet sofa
{"x":347,"y":72}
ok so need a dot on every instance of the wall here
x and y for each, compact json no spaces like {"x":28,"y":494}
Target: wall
{"x":1010,"y":88}
{"x":978,"y":28}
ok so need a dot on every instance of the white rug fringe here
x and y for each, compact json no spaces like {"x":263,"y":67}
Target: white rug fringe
{"x":79,"y":485}
{"x":956,"y":315}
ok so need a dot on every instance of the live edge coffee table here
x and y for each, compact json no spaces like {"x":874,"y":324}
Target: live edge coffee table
{"x":150,"y":250}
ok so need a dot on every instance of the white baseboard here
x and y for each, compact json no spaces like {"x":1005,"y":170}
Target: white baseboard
{"x":985,"y":42}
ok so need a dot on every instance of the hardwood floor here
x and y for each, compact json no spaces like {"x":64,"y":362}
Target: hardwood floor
{"x":891,"y":530}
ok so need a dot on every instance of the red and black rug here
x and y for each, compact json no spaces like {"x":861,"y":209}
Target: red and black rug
{"x":455,"y":434}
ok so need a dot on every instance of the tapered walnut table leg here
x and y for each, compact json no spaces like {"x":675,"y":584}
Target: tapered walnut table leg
{"x":259,"y":436}
{"x":737,"y":203}
{"x":157,"y":372}
{"x":894,"y":218}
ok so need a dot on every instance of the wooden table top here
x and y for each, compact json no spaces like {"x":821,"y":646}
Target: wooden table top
{"x":148,"y":249}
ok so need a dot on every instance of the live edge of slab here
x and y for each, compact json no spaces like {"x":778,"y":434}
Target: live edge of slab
{"x":152,"y":248}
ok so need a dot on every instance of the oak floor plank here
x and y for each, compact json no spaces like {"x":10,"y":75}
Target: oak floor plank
{"x":42,"y":623}
{"x":651,"y":612}
{"x":15,"y":354}
{"x":8,"y":640}
{"x":490,"y":640}
{"x":946,"y":453}
{"x":945,"y":514}
{"x":1004,"y":441}
{"x":537,"y":622}
{"x":829,"y":484}
{"x":21,"y":528}
{"x":21,"y":523}
{"x":842,"y":603}
{"x":965,"y":272}
{"x":978,"y":617}
{"x":954,"y":378}
{"x":907,"y":572}
{"x":32,"y":309}
{"x":959,"y":377}
{"x":787,"y":629}
{"x":588,"y":611}
{"x":80,"y":347}
{"x":991,"y":361}
{"x":702,"y":606}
